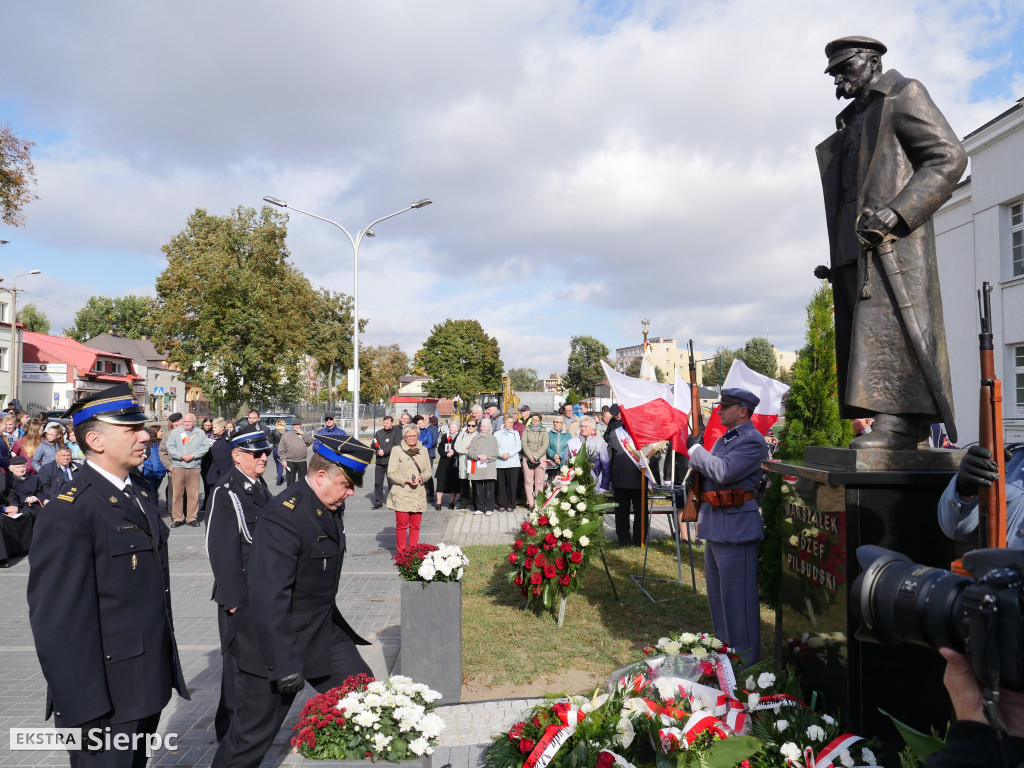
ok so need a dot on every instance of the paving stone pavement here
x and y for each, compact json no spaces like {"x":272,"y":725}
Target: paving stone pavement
{"x":369,"y":597}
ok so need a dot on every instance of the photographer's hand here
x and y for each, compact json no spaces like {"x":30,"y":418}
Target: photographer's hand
{"x":966,"y":694}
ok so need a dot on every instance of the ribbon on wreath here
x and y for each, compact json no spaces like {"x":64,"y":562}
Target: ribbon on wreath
{"x":699,"y":721}
{"x":555,"y":736}
{"x":716,"y":703}
{"x":828,"y":754}
{"x":559,"y":484}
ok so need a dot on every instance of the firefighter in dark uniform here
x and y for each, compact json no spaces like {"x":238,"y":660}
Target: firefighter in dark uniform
{"x":730,"y":523}
{"x":289,"y":629}
{"x":235,"y":504}
{"x":99,"y":589}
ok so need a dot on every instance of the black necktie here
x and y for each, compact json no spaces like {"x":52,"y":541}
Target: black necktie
{"x":133,"y":501}
{"x":260,"y":494}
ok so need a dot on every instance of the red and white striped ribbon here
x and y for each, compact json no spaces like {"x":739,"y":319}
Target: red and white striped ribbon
{"x":555,"y":736}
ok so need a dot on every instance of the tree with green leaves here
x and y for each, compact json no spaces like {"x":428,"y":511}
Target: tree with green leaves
{"x":524,"y":379}
{"x":812,"y":406}
{"x":812,"y":418}
{"x":584,"y":370}
{"x":231,"y":310}
{"x":330,"y":335}
{"x":461,"y":360}
{"x":759,"y":356}
{"x":380,"y":369}
{"x":33,"y":319}
{"x":127,"y":316}
{"x":717,"y":368}
{"x":17,"y":176}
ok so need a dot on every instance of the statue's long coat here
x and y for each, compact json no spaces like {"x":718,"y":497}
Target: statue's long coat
{"x":896,"y":151}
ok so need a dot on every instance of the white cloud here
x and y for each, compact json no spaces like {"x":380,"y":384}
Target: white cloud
{"x":586,"y":170}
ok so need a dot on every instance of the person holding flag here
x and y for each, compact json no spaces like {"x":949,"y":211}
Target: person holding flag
{"x":730,"y":523}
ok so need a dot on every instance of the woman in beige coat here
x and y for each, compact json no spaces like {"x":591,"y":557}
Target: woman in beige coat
{"x":408,"y":470}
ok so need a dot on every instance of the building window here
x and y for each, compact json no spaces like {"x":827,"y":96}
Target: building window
{"x":106,"y":366}
{"x":3,"y":359}
{"x":1017,"y":239}
{"x":1018,"y":374}
{"x":3,"y":311}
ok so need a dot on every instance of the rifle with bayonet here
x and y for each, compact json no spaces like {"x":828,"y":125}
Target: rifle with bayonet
{"x":693,"y":482}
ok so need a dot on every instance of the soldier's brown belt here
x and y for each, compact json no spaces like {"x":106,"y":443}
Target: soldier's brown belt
{"x":727,"y":497}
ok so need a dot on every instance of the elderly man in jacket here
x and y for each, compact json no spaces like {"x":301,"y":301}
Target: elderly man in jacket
{"x":730,"y":523}
{"x":597,"y":448}
{"x":186,"y":446}
{"x":292,"y":451}
{"x":891,"y":164}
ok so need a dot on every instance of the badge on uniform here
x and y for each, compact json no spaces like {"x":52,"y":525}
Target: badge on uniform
{"x":113,"y":500}
{"x":135,"y":562}
{"x":319,"y":512}
{"x":247,"y":486}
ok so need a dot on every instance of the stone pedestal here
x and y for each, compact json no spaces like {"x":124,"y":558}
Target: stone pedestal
{"x":836,"y":501}
{"x":431,"y":636}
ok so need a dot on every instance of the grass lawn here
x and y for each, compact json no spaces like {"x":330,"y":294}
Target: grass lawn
{"x":503,"y":643}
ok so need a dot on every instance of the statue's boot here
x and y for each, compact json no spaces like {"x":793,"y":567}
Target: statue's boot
{"x":893,"y":433}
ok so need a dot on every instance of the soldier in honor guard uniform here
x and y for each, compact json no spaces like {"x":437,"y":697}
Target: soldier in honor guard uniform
{"x":730,"y":523}
{"x":99,"y":590}
{"x":234,"y":507}
{"x":289,"y":629}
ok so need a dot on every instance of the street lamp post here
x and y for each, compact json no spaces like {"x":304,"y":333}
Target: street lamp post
{"x":355,"y":242}
{"x":13,"y":290}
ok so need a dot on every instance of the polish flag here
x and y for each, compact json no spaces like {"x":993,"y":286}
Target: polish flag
{"x":682,"y":401}
{"x":767,"y":412}
{"x":647,"y":408}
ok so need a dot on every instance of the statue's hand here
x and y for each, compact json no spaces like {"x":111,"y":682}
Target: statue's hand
{"x":882,"y":221}
{"x":823,"y":273}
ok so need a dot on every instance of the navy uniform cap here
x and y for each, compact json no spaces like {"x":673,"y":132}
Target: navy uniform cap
{"x":116,"y":405}
{"x":16,"y":460}
{"x":251,"y":438}
{"x":738,"y":396}
{"x":347,"y":452}
{"x":845,"y":48}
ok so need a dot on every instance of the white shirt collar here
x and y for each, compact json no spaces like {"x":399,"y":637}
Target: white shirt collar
{"x":117,"y":482}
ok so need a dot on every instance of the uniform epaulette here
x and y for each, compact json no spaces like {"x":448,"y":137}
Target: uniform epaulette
{"x":71,"y":494}
{"x":290,"y":503}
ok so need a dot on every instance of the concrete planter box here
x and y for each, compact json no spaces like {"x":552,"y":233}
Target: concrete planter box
{"x":431,"y":637}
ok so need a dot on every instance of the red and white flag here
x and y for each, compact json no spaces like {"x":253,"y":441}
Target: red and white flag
{"x":767,"y":412}
{"x":647,"y":410}
{"x":682,"y":401}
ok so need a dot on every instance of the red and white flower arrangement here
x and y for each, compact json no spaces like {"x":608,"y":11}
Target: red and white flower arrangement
{"x":683,"y":707}
{"x":560,"y":538}
{"x":366,"y":719}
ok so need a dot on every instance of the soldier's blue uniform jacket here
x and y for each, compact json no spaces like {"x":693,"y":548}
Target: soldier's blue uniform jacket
{"x":959,"y":520}
{"x":734,"y":462}
{"x":229,"y":540}
{"x":100,"y":604}
{"x":296,"y":560}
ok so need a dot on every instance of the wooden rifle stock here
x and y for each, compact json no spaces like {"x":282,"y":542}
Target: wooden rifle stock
{"x":991,"y":498}
{"x":695,"y":489}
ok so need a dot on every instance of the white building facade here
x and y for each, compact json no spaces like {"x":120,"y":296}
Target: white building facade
{"x":979,"y":237}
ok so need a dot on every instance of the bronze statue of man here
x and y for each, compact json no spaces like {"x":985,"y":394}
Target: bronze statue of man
{"x":892,"y":162}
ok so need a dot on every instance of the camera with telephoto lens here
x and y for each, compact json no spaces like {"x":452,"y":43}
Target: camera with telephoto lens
{"x":982,"y":617}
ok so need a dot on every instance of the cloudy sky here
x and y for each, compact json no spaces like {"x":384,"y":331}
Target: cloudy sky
{"x":590,"y":163}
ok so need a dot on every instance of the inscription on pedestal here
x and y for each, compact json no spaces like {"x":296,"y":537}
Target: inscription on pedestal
{"x":814,"y":559}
